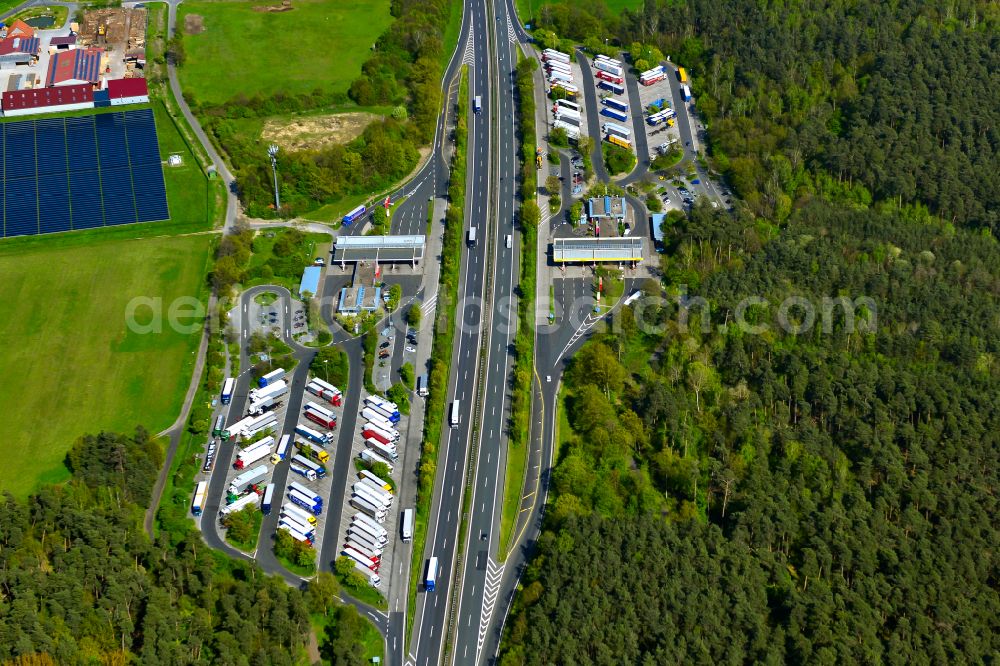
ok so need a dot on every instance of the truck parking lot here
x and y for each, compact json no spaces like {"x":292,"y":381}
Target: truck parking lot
{"x":664,"y":134}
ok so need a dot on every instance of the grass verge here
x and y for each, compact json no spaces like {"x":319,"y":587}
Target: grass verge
{"x":524,"y":341}
{"x":444,"y":333}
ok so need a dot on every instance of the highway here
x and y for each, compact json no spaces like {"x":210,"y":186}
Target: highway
{"x":430,"y":626}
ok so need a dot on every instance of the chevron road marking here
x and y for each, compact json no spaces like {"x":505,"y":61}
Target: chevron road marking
{"x":494,"y":575}
{"x":428,"y":306}
{"x":469,"y":57}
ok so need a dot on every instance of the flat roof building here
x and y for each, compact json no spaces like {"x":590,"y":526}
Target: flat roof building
{"x":597,"y":250}
{"x":355,"y":300}
{"x":382,"y":249}
{"x":310,"y":281}
{"x":607,"y":207}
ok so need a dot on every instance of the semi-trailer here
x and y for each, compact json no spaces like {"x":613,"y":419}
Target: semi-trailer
{"x":360,"y":560}
{"x":616,"y":104}
{"x":265,"y":505}
{"x":244,"y":481}
{"x":272,"y":390}
{"x":260,"y":424}
{"x":312,"y":435}
{"x":301,"y":526}
{"x":227,"y":390}
{"x":407,"y":526}
{"x":682,"y":75}
{"x":236,"y":429}
{"x":560,"y":76}
{"x":259,"y":407}
{"x":376,"y":401}
{"x":378,"y":489}
{"x":282,"y":452}
{"x":367,"y":552}
{"x":366,"y":540}
{"x":385,"y":450}
{"x":618,"y":141}
{"x":294,"y":510}
{"x":662,"y":116}
{"x":612,"y":128}
{"x":614,"y":113}
{"x":556,"y":66}
{"x":198,"y":503}
{"x":612,"y":61}
{"x":253,"y":453}
{"x":373,"y":458}
{"x":220,"y":426}
{"x":298,"y":536}
{"x":384,"y":485}
{"x":572,"y":131}
{"x":652,"y":76}
{"x":566,"y":87}
{"x":563,"y":112}
{"x":392,"y":414}
{"x":325,"y":421}
{"x":239,"y":505}
{"x":363,"y":519}
{"x":373,"y":578}
{"x":552,"y":54}
{"x":295,"y":485}
{"x":378,"y":496}
{"x":653,"y":72}
{"x":306,"y":503}
{"x":310,"y":450}
{"x":360,"y":503}
{"x":271,"y":377}
{"x":354,"y":215}
{"x":609,"y":77}
{"x":686,"y":93}
{"x":568,"y":120}
{"x":299,"y":460}
{"x":613,"y":88}
{"x":375,"y":417}
{"x":566,"y":104}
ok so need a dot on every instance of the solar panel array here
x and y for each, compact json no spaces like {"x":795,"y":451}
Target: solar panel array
{"x":62,"y":174}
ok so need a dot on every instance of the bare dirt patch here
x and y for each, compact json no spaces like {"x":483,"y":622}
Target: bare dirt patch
{"x":285,"y":6}
{"x":194,"y":24}
{"x":315,"y":132}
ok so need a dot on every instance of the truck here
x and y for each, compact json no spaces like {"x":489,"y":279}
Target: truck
{"x":200,"y":493}
{"x":312,"y":435}
{"x":372,"y":458}
{"x":472,"y":241}
{"x":611,"y":61}
{"x":376,"y":418}
{"x":303,"y":471}
{"x":372,"y":555}
{"x":686,"y":93}
{"x":298,"y":536}
{"x":306,"y":503}
{"x":273,"y":390}
{"x":361,"y":557}
{"x":295,"y":485}
{"x":556,"y":66}
{"x":313,"y":451}
{"x":614,"y":113}
{"x":566,"y":87}
{"x":246,"y":480}
{"x":477,"y":104}
{"x":302,"y":515}
{"x":384,"y":450}
{"x":328,"y":422}
{"x":282,"y":452}
{"x":612,"y":128}
{"x":236,"y":429}
{"x":372,"y":577}
{"x":605,"y":66}
{"x":260,"y":424}
{"x":316,"y":468}
{"x":390,"y":414}
{"x":253,"y":453}
{"x":377,"y":530}
{"x":326,"y":391}
{"x":305,"y":528}
{"x":650,"y":79}
{"x":380,"y":496}
{"x":613,"y":88}
{"x":568,"y":121}
{"x":563,"y":112}
{"x":271,"y":377}
{"x":220,"y":426}
{"x":453,"y":416}
{"x":376,"y":401}
{"x":372,"y":431}
{"x":432,"y":572}
{"x":682,"y":75}
{"x":407,"y":525}
{"x":572,"y":131}
{"x":360,"y":503}
{"x":354,"y":215}
{"x":377,"y":487}
{"x":566,"y":104}
{"x":258,"y":407}
{"x":365,"y":532}
{"x":265,"y":505}
{"x":367,"y":540}
{"x":609,"y":77}
{"x":560,"y":77}
{"x":616,"y":104}
{"x":239,"y":505}
{"x":422,"y":388}
{"x":384,"y":485}
{"x":227,"y":390}
{"x":666,"y":115}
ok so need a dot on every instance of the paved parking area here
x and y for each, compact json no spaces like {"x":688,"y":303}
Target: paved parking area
{"x":659,"y":134}
{"x":602,"y":95}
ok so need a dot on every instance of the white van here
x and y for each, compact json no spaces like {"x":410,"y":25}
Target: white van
{"x":510,"y":241}
{"x":472,"y":236}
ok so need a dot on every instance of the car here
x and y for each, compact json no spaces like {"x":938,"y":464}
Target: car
{"x":298,"y":325}
{"x":666,"y":200}
{"x":384,"y":345}
{"x":411,"y":349}
{"x":411,"y":339}
{"x":384,"y":353}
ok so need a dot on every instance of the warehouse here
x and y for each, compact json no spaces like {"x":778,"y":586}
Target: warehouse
{"x":67,"y":68}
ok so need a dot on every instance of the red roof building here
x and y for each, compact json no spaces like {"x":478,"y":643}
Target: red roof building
{"x":127,"y":88}
{"x":35,"y":100}
{"x":76,"y":66}
{"x":20,"y":29}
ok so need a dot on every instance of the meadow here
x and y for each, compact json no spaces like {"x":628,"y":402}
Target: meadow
{"x":69,"y":362}
{"x":317,"y":44}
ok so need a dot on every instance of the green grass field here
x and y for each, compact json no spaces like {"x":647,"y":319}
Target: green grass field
{"x":70,"y":364}
{"x":318,"y":44}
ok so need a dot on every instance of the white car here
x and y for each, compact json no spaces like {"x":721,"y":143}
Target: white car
{"x":411,"y":349}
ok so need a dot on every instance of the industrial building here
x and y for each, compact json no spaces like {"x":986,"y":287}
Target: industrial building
{"x":379,"y":249}
{"x":598,"y":250}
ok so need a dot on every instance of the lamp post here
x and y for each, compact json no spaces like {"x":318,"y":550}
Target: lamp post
{"x":272,"y":150}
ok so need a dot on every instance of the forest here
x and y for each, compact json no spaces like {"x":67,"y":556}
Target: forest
{"x":80,"y":582}
{"x":404,"y":71}
{"x":851,"y":101}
